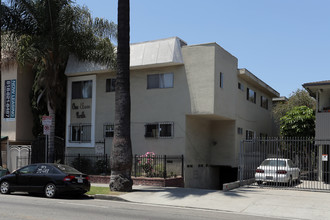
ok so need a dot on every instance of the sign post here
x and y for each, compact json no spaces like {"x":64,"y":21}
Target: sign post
{"x":46,"y":122}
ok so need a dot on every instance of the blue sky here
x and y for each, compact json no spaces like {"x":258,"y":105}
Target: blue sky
{"x":283,"y":42}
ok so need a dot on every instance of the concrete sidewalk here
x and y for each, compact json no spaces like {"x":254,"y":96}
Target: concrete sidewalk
{"x":288,"y":204}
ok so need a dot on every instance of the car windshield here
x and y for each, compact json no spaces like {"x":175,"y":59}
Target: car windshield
{"x":67,"y":169}
{"x":274,"y":163}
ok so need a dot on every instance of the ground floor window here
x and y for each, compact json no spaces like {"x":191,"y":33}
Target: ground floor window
{"x":159,"y":130}
{"x":250,"y":135}
{"x":80,"y":133}
{"x":108,"y":130}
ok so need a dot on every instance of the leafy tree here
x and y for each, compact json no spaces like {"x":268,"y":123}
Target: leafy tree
{"x":47,"y":32}
{"x":298,"y":98}
{"x":298,"y":122}
{"x":121,"y":154}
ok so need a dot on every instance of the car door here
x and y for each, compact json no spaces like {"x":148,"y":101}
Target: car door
{"x":24,"y":178}
{"x":42,"y":176}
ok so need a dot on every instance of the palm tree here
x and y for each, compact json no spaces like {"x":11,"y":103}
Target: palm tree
{"x":121,"y":154}
{"x":0,"y":79}
{"x":48,"y":31}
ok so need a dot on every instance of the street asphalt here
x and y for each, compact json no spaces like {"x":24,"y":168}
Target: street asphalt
{"x":289,"y":204}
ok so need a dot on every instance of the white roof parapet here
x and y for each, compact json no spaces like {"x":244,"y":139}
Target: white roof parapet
{"x":158,"y":53}
{"x":251,"y":78}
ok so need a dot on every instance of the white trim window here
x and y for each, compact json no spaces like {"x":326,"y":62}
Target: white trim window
{"x":240,"y":86}
{"x":159,"y":81}
{"x":108,"y":130}
{"x":251,"y":95}
{"x":159,"y":130}
{"x":82,"y":89}
{"x":80,"y":133}
{"x":264,"y":102}
{"x":80,"y":120}
{"x":250,"y":135}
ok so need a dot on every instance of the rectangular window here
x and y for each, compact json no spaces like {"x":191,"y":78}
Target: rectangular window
{"x":82,"y":89}
{"x":159,"y":130}
{"x":80,"y":133}
{"x":250,"y":135}
{"x":251,"y":95}
{"x":239,"y":130}
{"x":221,"y":80}
{"x":157,"y":81}
{"x":110,"y":85}
{"x":240,"y":86}
{"x":108,"y":130}
{"x":264,"y":102}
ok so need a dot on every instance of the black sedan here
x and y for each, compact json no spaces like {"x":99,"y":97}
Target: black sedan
{"x":50,"y":179}
{"x":3,"y":171}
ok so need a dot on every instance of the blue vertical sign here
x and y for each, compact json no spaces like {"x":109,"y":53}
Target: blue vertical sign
{"x":10,"y":99}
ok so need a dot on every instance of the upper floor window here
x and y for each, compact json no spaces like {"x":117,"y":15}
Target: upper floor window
{"x":110,"y":85}
{"x":82,"y":89}
{"x":239,"y":130}
{"x":251,"y":95}
{"x":156,"y":81}
{"x":264,"y":102}
{"x":159,"y":130}
{"x":221,"y":80}
{"x":240,"y":86}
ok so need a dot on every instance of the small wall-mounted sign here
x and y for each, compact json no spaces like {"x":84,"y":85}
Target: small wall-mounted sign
{"x":324,"y":157}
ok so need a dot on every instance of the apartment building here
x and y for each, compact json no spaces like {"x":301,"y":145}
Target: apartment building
{"x":17,"y":120}
{"x":321,"y":92}
{"x":189,"y":100}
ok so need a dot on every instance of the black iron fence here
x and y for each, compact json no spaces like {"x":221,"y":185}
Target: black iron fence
{"x":89,"y":164}
{"x":163,"y":166}
{"x":300,"y":163}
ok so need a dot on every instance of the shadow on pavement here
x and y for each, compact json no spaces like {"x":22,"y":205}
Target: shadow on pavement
{"x":178,"y":193}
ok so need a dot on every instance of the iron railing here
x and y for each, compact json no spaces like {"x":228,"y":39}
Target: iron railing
{"x":163,"y":166}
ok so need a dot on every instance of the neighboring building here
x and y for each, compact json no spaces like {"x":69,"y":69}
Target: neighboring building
{"x":321,"y":92}
{"x":17,"y":121}
{"x":189,"y":100}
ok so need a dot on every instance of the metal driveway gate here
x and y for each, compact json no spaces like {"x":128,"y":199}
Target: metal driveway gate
{"x":309,"y":155}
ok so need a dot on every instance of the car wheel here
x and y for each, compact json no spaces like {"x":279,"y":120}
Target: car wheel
{"x":4,"y":187}
{"x":290,"y":181}
{"x":50,"y":190}
{"x":259,"y":182}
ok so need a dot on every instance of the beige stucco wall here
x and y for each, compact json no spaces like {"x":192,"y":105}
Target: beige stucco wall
{"x":199,"y":141}
{"x":199,"y":67}
{"x":20,"y":128}
{"x":224,"y":98}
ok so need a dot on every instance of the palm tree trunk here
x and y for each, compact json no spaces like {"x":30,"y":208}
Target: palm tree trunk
{"x":121,"y":153}
{"x":51,"y":145}
{"x":0,"y":88}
